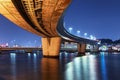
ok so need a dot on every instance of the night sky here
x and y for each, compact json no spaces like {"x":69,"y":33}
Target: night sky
{"x":100,"y":18}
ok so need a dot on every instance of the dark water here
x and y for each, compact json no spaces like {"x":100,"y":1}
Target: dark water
{"x":32,"y":66}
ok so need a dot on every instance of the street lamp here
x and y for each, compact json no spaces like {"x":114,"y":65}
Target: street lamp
{"x":94,"y":38}
{"x":70,"y":29}
{"x":91,"y":37}
{"x":78,"y":32}
{"x":85,"y":35}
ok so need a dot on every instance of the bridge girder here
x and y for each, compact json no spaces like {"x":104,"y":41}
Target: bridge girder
{"x":37,"y":16}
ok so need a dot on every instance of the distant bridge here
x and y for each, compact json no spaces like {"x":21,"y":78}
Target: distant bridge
{"x":31,"y":49}
{"x":26,"y":49}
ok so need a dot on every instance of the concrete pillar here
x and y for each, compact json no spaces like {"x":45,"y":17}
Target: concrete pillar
{"x":51,"y":46}
{"x":45,"y":46}
{"x":81,"y":48}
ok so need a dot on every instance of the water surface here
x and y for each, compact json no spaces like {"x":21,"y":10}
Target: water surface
{"x":32,"y":66}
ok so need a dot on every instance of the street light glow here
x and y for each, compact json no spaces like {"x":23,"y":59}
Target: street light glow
{"x":94,"y":38}
{"x":85,"y":34}
{"x":70,"y":29}
{"x":91,"y":37}
{"x":78,"y":32}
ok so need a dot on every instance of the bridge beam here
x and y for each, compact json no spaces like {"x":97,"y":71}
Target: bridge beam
{"x":51,"y":46}
{"x":81,"y":48}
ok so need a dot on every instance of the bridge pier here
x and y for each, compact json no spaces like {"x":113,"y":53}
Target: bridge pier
{"x":51,"y":46}
{"x":81,"y":48}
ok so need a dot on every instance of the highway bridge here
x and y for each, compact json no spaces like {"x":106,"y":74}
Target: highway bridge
{"x":44,"y":18}
{"x":26,"y":49}
{"x":31,"y":49}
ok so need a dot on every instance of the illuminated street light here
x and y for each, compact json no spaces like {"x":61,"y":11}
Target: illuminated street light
{"x":70,"y":29}
{"x":85,"y":35}
{"x":91,"y":37}
{"x":78,"y":32}
{"x":94,"y":38}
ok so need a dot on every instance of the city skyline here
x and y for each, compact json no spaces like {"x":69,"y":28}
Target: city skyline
{"x":98,"y":18}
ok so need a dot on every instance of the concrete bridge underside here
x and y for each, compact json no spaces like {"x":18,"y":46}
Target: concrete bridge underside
{"x":39,"y":17}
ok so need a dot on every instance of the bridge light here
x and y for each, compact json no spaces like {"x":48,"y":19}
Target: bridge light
{"x":94,"y":38}
{"x":78,"y":32}
{"x":85,"y":35}
{"x":91,"y":37}
{"x":70,"y":29}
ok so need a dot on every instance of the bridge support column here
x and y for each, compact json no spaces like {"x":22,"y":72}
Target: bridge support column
{"x":51,"y":46}
{"x":81,"y":48}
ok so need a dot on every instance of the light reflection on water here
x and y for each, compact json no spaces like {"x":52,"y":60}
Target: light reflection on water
{"x":103,"y":66}
{"x":81,"y":68}
{"x":13,"y":65}
{"x":32,"y":66}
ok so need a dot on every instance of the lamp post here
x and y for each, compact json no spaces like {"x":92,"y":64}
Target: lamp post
{"x":78,"y":32}
{"x":85,"y":35}
{"x":94,"y":38}
{"x":70,"y":29}
{"x":91,"y":37}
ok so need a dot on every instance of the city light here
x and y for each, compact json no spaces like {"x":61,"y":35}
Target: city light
{"x":99,"y":42}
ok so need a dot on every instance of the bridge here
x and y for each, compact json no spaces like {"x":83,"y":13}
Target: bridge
{"x":43,"y":18}
{"x":26,"y":49}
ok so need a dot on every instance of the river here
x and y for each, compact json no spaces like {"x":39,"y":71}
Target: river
{"x":69,"y":66}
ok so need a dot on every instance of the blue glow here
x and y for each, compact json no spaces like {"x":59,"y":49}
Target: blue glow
{"x":13,"y":67}
{"x":13,"y":57}
{"x":29,"y":54}
{"x":92,"y":66}
{"x":69,"y":71}
{"x":70,"y":29}
{"x":35,"y":55}
{"x":78,"y":31}
{"x":103,"y":66}
{"x":85,"y":34}
{"x":35,"y":62}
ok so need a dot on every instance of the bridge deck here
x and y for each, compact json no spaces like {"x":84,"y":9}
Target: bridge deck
{"x":19,"y":48}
